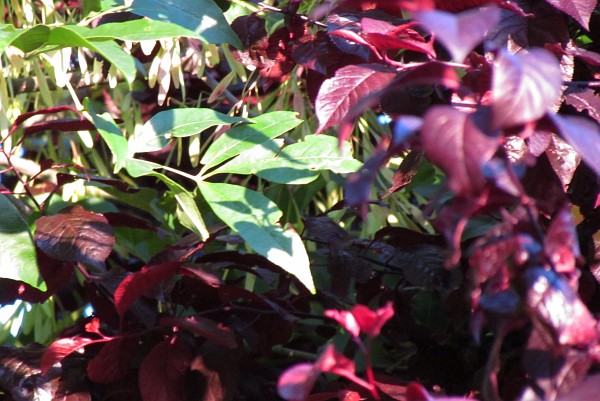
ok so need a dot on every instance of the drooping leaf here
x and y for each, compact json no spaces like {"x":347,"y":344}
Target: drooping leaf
{"x":63,"y":347}
{"x":453,"y":141}
{"x":203,"y":327}
{"x":583,"y":135}
{"x":137,"y":284}
{"x":255,"y":218}
{"x":203,"y":17}
{"x":113,"y":361}
{"x":350,"y":84}
{"x":112,"y":135}
{"x":584,"y":100}
{"x":245,"y":136}
{"x":17,"y":253}
{"x":297,"y":164}
{"x":580,"y":10}
{"x":75,"y":235}
{"x":177,"y":123}
{"x":460,"y":33}
{"x":162,"y":371}
{"x":139,"y":30}
{"x":524,"y":86}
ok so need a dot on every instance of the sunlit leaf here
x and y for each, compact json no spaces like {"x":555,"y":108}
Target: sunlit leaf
{"x":580,"y":10}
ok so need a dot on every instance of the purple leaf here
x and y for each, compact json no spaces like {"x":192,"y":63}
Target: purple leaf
{"x":63,"y":347}
{"x":584,"y":99}
{"x":583,"y":135}
{"x":453,"y":141}
{"x":75,"y":235}
{"x":580,"y":10}
{"x":524,"y":86}
{"x":113,"y":361}
{"x":350,"y":84}
{"x":460,"y":33}
{"x":561,"y":245}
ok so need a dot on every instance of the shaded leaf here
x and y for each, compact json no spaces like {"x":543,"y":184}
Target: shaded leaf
{"x":255,"y":217}
{"x":63,"y":347}
{"x":75,"y":235}
{"x":162,"y":371}
{"x":339,"y":94}
{"x":203,"y":327}
{"x":583,"y":135}
{"x":113,"y":361}
{"x":524,"y":86}
{"x":460,"y":33}
{"x":137,"y":284}
{"x":454,"y":141}
{"x":17,"y":253}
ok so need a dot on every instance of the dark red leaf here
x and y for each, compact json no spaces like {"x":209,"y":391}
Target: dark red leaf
{"x":113,"y":361}
{"x":316,"y":52}
{"x":462,"y":5}
{"x":350,"y":84}
{"x":250,"y":29}
{"x":60,"y":125}
{"x":460,"y":33}
{"x":405,"y":173}
{"x":137,"y":284}
{"x":63,"y":347}
{"x":454,"y":141}
{"x":117,"y":219}
{"x":344,"y":31}
{"x":393,"y":7}
{"x":346,"y":319}
{"x":163,"y":370}
{"x":51,"y":110}
{"x":431,"y":73}
{"x":75,"y":235}
{"x":385,"y":36}
{"x":524,"y":87}
{"x":580,"y":10}
{"x":122,"y":186}
{"x":583,"y":135}
{"x":371,"y":322}
{"x":561,"y":244}
{"x":203,"y":327}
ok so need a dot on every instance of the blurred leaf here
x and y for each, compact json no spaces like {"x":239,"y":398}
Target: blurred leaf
{"x":255,"y":218}
{"x":17,"y":253}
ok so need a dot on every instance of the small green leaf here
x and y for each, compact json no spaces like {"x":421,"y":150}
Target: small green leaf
{"x":90,"y":6}
{"x":112,"y":135}
{"x":243,"y":137}
{"x":255,"y":218}
{"x":17,"y":253}
{"x":137,"y":168}
{"x":295,"y":164}
{"x":138,"y":30}
{"x":203,"y":17}
{"x":74,"y":36}
{"x":177,"y":123}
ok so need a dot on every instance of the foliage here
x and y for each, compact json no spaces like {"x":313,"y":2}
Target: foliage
{"x":311,"y":200}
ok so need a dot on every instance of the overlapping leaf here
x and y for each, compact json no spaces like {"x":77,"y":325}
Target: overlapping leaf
{"x":580,"y":10}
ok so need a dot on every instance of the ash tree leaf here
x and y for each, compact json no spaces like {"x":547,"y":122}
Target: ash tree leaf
{"x":246,"y":136}
{"x":453,"y":141}
{"x":177,"y":123}
{"x":137,"y":284}
{"x":298,"y":163}
{"x":459,"y":33}
{"x":524,"y":86}
{"x":203,"y":17}
{"x":75,"y":235}
{"x":138,"y":30}
{"x":17,"y":252}
{"x":583,"y":135}
{"x":162,"y":372}
{"x":338,"y":95}
{"x":255,"y":218}
{"x":580,"y":10}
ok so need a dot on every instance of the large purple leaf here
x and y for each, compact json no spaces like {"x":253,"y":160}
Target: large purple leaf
{"x":583,"y":135}
{"x":350,"y":84}
{"x":580,"y":10}
{"x":75,"y":235}
{"x":453,"y":141}
{"x":460,"y":33}
{"x":524,"y":86}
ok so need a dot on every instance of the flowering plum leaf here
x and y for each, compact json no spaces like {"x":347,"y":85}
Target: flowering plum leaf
{"x":138,"y":283}
{"x":255,"y":218}
{"x":316,"y":52}
{"x":296,"y":382}
{"x":460,"y":33}
{"x":393,"y":7}
{"x":385,"y":36}
{"x":75,"y":235}
{"x":580,"y":10}
{"x":362,"y":319}
{"x":561,"y":244}
{"x":17,"y":253}
{"x":585,"y":99}
{"x":63,"y":347}
{"x":203,"y":327}
{"x":113,"y":361}
{"x":350,"y":84}
{"x":583,"y":135}
{"x":454,"y":141}
{"x":524,"y":87}
{"x":163,"y":370}
{"x":416,"y":392}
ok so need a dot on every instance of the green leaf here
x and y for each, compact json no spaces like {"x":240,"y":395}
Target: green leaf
{"x":112,"y":135}
{"x":177,"y":123}
{"x":17,"y":253}
{"x":138,"y":30}
{"x":255,"y":218}
{"x":295,"y":164}
{"x":90,"y":6}
{"x":74,"y":36}
{"x":243,"y":137}
{"x":29,"y":39}
{"x":137,"y":168}
{"x":203,"y":17}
